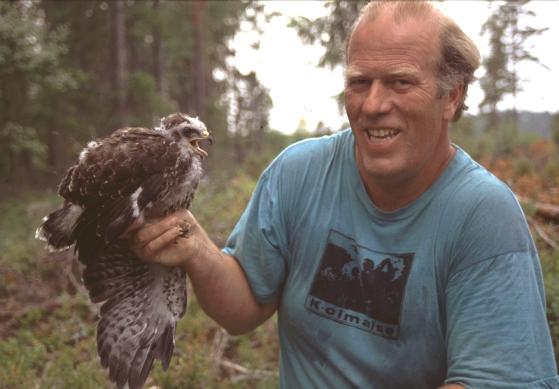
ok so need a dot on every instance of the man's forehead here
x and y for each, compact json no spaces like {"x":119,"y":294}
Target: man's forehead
{"x":391,"y":15}
{"x":389,"y":32}
{"x":387,"y":40}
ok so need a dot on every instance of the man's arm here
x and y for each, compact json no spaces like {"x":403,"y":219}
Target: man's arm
{"x":218,"y":280}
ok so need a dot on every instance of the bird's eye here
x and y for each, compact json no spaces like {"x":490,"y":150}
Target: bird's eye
{"x":187,"y":132}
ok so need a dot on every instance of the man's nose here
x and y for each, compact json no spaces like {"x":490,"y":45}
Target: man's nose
{"x":378,"y":99}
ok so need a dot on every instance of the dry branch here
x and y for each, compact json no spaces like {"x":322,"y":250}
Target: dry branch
{"x":219,"y":344}
{"x":244,"y":373}
{"x":548,"y":212}
{"x":542,"y":234}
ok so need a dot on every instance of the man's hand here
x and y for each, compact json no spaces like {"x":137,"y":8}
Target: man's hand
{"x":175,"y":240}
{"x":218,"y":280}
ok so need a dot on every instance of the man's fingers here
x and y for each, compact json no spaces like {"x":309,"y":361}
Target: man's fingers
{"x":154,"y":246}
{"x":152,"y":231}
{"x":151,"y":240}
{"x":136,"y":225}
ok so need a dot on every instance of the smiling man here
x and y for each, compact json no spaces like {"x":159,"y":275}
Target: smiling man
{"x":392,"y":258}
{"x":398,"y":115}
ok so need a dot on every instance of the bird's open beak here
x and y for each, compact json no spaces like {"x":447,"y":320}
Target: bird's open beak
{"x":206,"y":139}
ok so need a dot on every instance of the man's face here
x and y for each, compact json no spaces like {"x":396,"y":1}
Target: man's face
{"x":397,"y":116}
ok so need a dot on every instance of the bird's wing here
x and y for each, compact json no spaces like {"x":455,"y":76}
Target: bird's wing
{"x":142,"y":304}
{"x":118,"y":177}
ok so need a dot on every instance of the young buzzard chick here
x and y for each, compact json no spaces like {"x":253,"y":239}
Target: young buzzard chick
{"x":133,"y":174}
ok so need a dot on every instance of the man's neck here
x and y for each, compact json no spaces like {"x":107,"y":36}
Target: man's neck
{"x":392,"y":194}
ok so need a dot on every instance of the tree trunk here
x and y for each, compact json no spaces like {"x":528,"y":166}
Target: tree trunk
{"x":515,"y":79}
{"x":121,"y":66}
{"x":158,"y":59}
{"x":492,"y":120}
{"x":238,"y":135}
{"x":199,"y":58}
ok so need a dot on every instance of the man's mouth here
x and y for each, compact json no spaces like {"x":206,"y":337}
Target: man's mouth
{"x":381,"y":133}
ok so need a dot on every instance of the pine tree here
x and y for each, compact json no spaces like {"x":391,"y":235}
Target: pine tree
{"x":30,"y":70}
{"x":507,"y":40}
{"x":249,"y":103}
{"x":330,"y":31}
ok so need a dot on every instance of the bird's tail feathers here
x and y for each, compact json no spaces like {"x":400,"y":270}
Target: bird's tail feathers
{"x":142,"y":305}
{"x":165,"y":345}
{"x":57,"y":228}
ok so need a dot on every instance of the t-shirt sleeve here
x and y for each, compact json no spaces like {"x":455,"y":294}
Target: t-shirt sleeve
{"x":496,"y":329}
{"x":258,"y":241}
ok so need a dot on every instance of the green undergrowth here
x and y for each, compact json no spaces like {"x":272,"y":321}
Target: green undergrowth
{"x":57,"y":349}
{"x":18,"y":220}
{"x":550,"y":268}
{"x":47,"y":324}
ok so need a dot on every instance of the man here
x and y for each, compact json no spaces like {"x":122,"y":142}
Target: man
{"x":392,"y":259}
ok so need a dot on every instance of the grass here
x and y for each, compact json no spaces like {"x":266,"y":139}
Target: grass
{"x":550,"y":268}
{"x":47,"y":325}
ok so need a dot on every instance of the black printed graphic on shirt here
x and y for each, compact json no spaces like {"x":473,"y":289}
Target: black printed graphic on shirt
{"x":360,"y":287}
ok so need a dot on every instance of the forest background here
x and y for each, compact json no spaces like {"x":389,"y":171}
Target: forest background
{"x":71,"y":71}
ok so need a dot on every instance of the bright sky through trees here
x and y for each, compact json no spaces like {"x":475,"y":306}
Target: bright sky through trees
{"x":301,"y":90}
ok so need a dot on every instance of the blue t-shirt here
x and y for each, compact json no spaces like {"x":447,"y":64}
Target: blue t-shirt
{"x":446,"y":289}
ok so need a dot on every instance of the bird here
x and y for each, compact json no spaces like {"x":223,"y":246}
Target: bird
{"x":134,"y":174}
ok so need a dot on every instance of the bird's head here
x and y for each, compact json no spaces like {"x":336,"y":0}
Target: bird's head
{"x":185,"y":130}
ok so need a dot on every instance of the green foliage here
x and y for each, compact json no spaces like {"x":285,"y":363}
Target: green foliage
{"x":50,"y":339}
{"x":249,"y":104}
{"x":52,"y":348}
{"x":219,"y":205}
{"x":21,"y":140}
{"x":555,"y":128}
{"x":18,"y":246}
{"x":507,"y":136}
{"x":27,"y":48}
{"x":196,"y":36}
{"x":146,"y":104}
{"x":330,"y":31}
{"x":30,"y":59}
{"x":523,"y":167}
{"x":551,"y":167}
{"x":61,"y":84}
{"x":502,"y":140}
{"x":495,"y":82}
{"x":18,"y":356}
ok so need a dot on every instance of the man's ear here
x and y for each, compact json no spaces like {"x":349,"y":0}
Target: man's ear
{"x":453,"y":101}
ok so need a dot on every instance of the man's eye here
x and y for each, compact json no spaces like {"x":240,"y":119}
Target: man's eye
{"x":402,"y":84}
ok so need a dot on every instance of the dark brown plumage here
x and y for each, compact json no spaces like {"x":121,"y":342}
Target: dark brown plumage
{"x":133,"y":174}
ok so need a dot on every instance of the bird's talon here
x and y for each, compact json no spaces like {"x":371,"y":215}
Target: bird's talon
{"x":185,"y":229}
